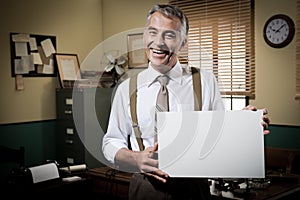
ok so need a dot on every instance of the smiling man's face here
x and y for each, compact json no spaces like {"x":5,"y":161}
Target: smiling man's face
{"x":162,"y":41}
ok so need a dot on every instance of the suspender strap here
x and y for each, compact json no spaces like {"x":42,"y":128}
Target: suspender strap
{"x":133,"y":97}
{"x":197,"y":89}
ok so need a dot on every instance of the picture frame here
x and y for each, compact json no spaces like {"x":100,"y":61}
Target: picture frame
{"x":137,"y":57}
{"x":68,"y":69}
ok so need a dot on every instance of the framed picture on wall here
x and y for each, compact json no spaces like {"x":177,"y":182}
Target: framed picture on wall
{"x":68,"y":69}
{"x":136,"y":52}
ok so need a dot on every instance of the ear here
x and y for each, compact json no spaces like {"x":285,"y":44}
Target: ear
{"x":183,"y":43}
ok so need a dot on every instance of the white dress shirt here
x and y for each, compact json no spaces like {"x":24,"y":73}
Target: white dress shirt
{"x":181,"y":98}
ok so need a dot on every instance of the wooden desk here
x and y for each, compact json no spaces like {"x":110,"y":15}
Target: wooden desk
{"x":280,"y":188}
{"x":280,"y":191}
{"x":112,"y":184}
{"x":286,"y":187}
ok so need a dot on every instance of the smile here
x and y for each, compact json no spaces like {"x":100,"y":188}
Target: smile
{"x":160,"y":51}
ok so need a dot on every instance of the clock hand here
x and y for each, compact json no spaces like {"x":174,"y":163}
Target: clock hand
{"x":278,"y":30}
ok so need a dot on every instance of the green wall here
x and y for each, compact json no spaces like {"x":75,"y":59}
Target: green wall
{"x":38,"y":139}
{"x":284,"y":137}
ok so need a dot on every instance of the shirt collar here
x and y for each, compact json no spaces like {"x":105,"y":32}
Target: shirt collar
{"x":174,"y":74}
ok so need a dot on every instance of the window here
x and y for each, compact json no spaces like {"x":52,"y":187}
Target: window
{"x":221,"y":40}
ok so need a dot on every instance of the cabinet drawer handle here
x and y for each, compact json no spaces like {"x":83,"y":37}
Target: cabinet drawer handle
{"x":70,"y":131}
{"x":69,"y":101}
{"x":69,"y":141}
{"x":68,"y":112}
{"x":70,"y":160}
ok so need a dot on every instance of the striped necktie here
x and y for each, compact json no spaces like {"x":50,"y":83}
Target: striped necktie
{"x":162,"y":101}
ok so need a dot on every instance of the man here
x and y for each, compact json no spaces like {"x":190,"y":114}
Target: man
{"x":165,"y":35}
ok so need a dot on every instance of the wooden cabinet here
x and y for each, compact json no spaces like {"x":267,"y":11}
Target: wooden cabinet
{"x":82,"y":118}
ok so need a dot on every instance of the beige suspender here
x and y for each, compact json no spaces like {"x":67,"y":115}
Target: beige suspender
{"x":197,"y":89}
{"x":133,"y":96}
{"x":132,"y":93}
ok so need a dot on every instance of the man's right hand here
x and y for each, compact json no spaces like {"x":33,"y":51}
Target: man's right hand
{"x":143,"y":161}
{"x":149,"y":164}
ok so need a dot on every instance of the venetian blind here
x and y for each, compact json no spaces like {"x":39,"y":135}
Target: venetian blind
{"x":298,"y":52}
{"x":221,"y":39}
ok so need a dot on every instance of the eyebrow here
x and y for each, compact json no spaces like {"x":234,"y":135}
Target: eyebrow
{"x":165,"y":30}
{"x":152,"y":28}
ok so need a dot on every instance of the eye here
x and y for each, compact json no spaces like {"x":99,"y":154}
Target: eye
{"x":152,"y":32}
{"x":169,"y":35}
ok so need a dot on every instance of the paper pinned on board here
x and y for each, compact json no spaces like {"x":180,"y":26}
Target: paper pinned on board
{"x":48,"y":47}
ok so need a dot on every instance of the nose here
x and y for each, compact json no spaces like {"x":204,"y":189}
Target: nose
{"x":159,"y":40}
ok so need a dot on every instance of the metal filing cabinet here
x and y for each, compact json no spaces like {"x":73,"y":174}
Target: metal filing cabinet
{"x":82,"y":118}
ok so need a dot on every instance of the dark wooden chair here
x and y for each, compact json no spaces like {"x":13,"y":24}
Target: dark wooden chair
{"x":280,"y":158}
{"x":10,"y":155}
{"x":12,"y":165}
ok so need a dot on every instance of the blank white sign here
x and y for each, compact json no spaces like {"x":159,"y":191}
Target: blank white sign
{"x":224,"y":144}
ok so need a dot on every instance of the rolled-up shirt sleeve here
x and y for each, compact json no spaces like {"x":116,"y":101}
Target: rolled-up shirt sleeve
{"x":119,"y":126}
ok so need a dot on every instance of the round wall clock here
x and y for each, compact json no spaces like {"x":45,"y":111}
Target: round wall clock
{"x":279,"y":31}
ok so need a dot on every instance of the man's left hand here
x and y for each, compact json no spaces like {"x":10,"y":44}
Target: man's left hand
{"x":265,"y":119}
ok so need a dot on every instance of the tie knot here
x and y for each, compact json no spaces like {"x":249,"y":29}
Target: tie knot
{"x":163,"y":80}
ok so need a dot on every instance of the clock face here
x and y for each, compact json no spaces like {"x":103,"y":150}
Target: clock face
{"x":279,"y":31}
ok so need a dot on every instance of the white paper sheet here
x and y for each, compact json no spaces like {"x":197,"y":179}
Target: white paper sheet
{"x":21,"y":49}
{"x":21,"y":37}
{"x":36,"y":58}
{"x":44,"y":172}
{"x":32,"y":44}
{"x":49,"y":69}
{"x":48,"y":47}
{"x":224,"y":144}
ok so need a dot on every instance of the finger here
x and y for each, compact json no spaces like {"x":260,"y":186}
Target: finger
{"x":155,"y":147}
{"x":266,"y":132}
{"x":159,"y":178}
{"x":149,"y":169}
{"x":148,"y":163}
{"x":266,"y":119}
{"x":153,"y":151}
{"x":159,"y":173}
{"x":153,"y":155}
{"x":250,"y":107}
{"x":266,"y":126}
{"x":265,"y":111}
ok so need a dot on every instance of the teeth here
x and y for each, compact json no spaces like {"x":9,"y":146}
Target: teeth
{"x":158,"y":51}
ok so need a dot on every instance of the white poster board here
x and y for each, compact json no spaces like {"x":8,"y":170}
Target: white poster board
{"x":224,"y":144}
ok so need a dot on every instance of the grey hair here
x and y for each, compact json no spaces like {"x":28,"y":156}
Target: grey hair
{"x":171,"y":11}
